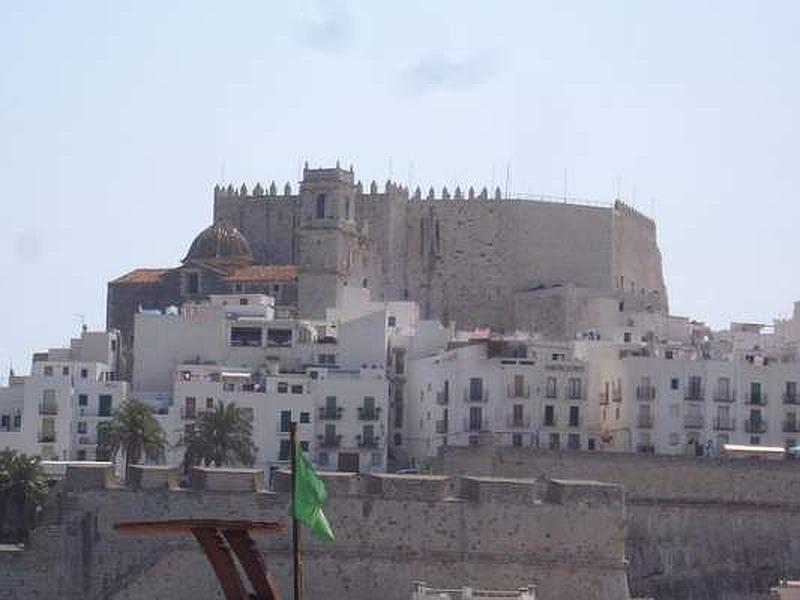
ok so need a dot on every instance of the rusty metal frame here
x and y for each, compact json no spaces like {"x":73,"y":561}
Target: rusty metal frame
{"x":223,"y":542}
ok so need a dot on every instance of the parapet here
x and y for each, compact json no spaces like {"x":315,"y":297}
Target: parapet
{"x":91,"y":476}
{"x":212,"y":479}
{"x":152,"y":477}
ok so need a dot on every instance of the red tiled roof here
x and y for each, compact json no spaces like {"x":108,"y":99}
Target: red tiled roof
{"x":263,"y":273}
{"x":140,"y":276}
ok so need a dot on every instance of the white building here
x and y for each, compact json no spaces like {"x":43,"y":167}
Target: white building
{"x":328,"y":376}
{"x":54,"y":411}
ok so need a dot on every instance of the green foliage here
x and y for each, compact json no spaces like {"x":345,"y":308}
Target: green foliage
{"x":132,"y":431}
{"x":23,"y":486}
{"x":221,"y":437}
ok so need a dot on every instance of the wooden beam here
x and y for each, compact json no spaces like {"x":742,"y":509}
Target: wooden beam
{"x":253,"y":563}
{"x":189,"y":525}
{"x":222,"y":562}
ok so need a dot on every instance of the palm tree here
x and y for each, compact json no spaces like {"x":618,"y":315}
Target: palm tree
{"x":222,"y":436}
{"x":132,"y":431}
{"x":23,"y":486}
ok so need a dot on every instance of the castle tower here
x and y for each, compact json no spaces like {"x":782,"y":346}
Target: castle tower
{"x":330,"y":247}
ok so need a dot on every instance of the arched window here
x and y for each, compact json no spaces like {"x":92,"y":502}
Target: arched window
{"x":320,"y":214}
{"x":347,"y":209}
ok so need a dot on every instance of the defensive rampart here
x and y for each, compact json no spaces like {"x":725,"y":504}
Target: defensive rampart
{"x":696,"y":528}
{"x":567,"y":538}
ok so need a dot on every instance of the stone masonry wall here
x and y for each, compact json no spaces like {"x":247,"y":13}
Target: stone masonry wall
{"x":696,"y":528}
{"x":566,"y":538}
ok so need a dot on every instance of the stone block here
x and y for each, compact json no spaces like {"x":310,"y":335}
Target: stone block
{"x":212,"y":479}
{"x":91,"y":476}
{"x":508,"y":491}
{"x":152,"y":477}
{"x":425,"y":488}
{"x":584,"y":492}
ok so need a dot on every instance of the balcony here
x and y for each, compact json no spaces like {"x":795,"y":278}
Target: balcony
{"x":551,"y":422}
{"x":520,"y":422}
{"x":616,"y":395}
{"x":645,"y":421}
{"x":47,"y":438}
{"x":645,"y":392}
{"x":693,"y":421}
{"x":476,"y":424}
{"x":86,"y":440}
{"x":603,"y":399}
{"x":645,"y":449}
{"x":483,"y":397}
{"x":725,"y":396}
{"x":442,"y":399}
{"x":755,"y":426}
{"x":516,"y":391}
{"x":574,"y":395}
{"x":188,"y":414}
{"x":48,"y":409}
{"x":369,"y":414}
{"x":695,"y":394}
{"x":368,"y":441}
{"x":791,"y":426}
{"x":442,"y":426}
{"x":756,"y":399}
{"x":330,"y":413}
{"x":724,"y":424}
{"x":791,"y":398}
{"x":329,"y":441}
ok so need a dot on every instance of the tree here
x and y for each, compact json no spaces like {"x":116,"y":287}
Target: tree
{"x":222,"y":436}
{"x":23,"y":486}
{"x":132,"y":431}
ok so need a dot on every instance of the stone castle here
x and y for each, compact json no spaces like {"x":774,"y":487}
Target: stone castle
{"x":473,"y":258}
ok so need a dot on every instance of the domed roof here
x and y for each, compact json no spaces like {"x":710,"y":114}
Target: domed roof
{"x":220,"y":240}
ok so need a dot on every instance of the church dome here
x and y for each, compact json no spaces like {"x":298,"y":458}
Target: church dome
{"x":220,"y":240}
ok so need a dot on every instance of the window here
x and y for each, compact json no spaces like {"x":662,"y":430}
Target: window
{"x":574,"y":388}
{"x":304,"y":446}
{"x":591,"y":444}
{"x":669,"y":355}
{"x":400,"y":363}
{"x":228,"y":387}
{"x":475,"y":388}
{"x":81,"y":454}
{"x":723,"y":389}
{"x":48,"y":371}
{"x":286,"y":419}
{"x":65,"y":371}
{"x":82,"y":428}
{"x":327,"y":359}
{"x":674,"y":383}
{"x":549,"y":415}
{"x":398,"y":439}
{"x":755,"y":440}
{"x":627,"y":336}
{"x":574,"y":441}
{"x":243,"y":301}
{"x":322,"y":458}
{"x":283,"y":450}
{"x":104,"y":405}
{"x":574,"y":416}
{"x":249,"y":337}
{"x":516,"y":440}
{"x":554,"y":441}
{"x":392,"y":321}
{"x":84,"y":373}
{"x":17,"y":421}
{"x":83,"y":400}
{"x":517,"y":415}
{"x":551,"y":387}
{"x":476,"y":418}
{"x":283,"y":387}
{"x":695,"y":391}
{"x":5,"y":422}
{"x":297,"y":388}
{"x":189,"y":407}
{"x":305,"y":417}
{"x":192,"y":283}
{"x":209,"y":403}
{"x":320,"y":208}
{"x":279,"y":337}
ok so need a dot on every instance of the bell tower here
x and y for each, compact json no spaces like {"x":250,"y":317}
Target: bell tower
{"x":329,"y":241}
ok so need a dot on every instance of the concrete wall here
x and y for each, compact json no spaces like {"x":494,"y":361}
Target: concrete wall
{"x":696,"y":528}
{"x":391,"y":530}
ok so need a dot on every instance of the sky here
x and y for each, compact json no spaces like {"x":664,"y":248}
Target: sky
{"x":117,"y":119}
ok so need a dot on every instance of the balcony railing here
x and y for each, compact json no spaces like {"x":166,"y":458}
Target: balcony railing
{"x":645,"y":392}
{"x":791,"y":426}
{"x":755,"y":426}
{"x":552,"y":422}
{"x":791,"y":398}
{"x":645,"y":449}
{"x":483,"y":397}
{"x":693,"y":421}
{"x":329,"y":441}
{"x":86,"y":440}
{"x":603,"y":399}
{"x":515,"y":391}
{"x":367,"y":441}
{"x":645,"y":421}
{"x":47,"y":438}
{"x":694,"y":394}
{"x":725,"y":396}
{"x":48,"y":409}
{"x":369,"y":414}
{"x":616,"y":395}
{"x":756,"y":399}
{"x":519,"y":422}
{"x":442,"y":426}
{"x":574,"y":394}
{"x":328,"y":413}
{"x":442,"y":399}
{"x":724,"y":424}
{"x":476,"y":424}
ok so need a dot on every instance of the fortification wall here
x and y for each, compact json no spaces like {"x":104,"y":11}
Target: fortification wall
{"x":567,"y":538}
{"x":696,"y":528}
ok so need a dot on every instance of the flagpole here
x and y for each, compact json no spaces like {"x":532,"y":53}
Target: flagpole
{"x":295,"y":523}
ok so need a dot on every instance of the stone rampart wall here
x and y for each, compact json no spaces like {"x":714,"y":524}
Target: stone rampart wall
{"x":566,"y":538}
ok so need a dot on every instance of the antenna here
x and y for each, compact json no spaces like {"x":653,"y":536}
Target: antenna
{"x":508,"y":178}
{"x":390,"y":169}
{"x":82,"y":318}
{"x":565,"y":185}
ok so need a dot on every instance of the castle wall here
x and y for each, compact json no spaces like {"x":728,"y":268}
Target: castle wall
{"x":390,"y":530}
{"x":695,"y":528}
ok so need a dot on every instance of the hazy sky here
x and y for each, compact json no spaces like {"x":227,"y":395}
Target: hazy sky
{"x":116,"y":120}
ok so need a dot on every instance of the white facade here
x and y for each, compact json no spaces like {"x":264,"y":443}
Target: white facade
{"x":68,"y":392}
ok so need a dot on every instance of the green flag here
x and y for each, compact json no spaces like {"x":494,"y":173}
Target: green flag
{"x":309,"y":496}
